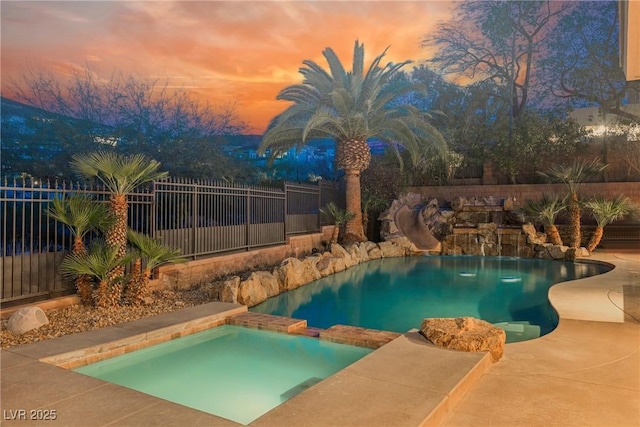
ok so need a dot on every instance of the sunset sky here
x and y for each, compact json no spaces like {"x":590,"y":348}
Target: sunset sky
{"x":241,"y":52}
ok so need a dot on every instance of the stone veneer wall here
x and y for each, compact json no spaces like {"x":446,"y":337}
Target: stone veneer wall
{"x":183,"y":275}
{"x":522,"y":192}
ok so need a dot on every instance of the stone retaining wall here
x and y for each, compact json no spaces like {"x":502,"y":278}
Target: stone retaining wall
{"x":521,"y":192}
{"x":184,"y":275}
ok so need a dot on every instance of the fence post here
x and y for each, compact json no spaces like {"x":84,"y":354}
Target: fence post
{"x":248,"y":220}
{"x":286,"y":206}
{"x":194,"y":220}
{"x":319,"y":225}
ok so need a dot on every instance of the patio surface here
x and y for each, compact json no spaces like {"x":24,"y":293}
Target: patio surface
{"x":586,"y":373}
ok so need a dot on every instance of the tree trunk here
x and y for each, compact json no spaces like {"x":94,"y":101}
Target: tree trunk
{"x":132,"y":288}
{"x":335,"y":234}
{"x":108,"y":294}
{"x":553,"y":234}
{"x":595,"y":239}
{"x":116,"y":236}
{"x":353,"y":229}
{"x":575,"y":237}
{"x":84,"y":286}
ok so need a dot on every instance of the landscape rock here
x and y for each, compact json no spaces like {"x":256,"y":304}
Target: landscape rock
{"x":251,"y":291}
{"x":325,"y":266}
{"x":390,"y":250}
{"x":340,"y":252}
{"x":533,"y":236}
{"x":26,"y":319}
{"x":374,"y":253}
{"x":293,"y":273}
{"x":582,"y":252}
{"x":227,"y":291}
{"x":466,"y":334}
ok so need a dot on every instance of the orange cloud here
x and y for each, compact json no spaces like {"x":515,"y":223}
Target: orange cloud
{"x":241,"y":52}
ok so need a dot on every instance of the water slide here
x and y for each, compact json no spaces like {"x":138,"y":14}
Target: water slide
{"x":412,"y":225}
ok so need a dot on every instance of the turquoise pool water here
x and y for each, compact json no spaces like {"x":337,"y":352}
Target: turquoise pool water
{"x":395,"y":294}
{"x":230,"y":371}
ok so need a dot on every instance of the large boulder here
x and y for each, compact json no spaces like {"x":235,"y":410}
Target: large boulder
{"x":26,"y":319}
{"x":226,"y":291}
{"x":251,"y":291}
{"x":339,"y":252}
{"x":533,"y":236}
{"x":466,"y":334}
{"x":325,"y":266}
{"x":391,"y":250}
{"x":293,"y":273}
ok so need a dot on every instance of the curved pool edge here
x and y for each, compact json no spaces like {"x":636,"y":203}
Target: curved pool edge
{"x":597,"y":298}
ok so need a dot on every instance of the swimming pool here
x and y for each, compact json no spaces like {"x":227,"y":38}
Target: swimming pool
{"x":229,"y":371}
{"x":395,"y":294}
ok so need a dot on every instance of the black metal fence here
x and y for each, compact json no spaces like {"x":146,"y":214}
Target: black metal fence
{"x":199,"y":218}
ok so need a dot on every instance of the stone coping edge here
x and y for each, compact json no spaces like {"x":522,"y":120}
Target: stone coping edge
{"x":442,"y":411}
{"x":85,"y":356}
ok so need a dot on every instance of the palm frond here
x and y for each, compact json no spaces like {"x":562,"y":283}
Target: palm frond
{"x":98,"y":262}
{"x":81,"y":214}
{"x":153,"y":250}
{"x":606,"y":211}
{"x":120,"y":174}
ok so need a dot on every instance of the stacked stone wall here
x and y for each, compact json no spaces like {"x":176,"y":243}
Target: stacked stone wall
{"x":521,"y":192}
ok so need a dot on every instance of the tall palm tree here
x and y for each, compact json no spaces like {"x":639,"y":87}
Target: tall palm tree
{"x":154,"y":253}
{"x":98,"y":262}
{"x":81,"y":214}
{"x":606,"y":211}
{"x":120,"y":175}
{"x":351,"y":107}
{"x":546,"y":210}
{"x":573,"y":176}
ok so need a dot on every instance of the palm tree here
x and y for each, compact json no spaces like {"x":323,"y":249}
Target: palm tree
{"x":338,"y":217}
{"x":98,"y":262}
{"x":351,"y":107}
{"x":572,"y":176}
{"x":546,"y":210}
{"x":120,"y":175}
{"x":155,"y":253}
{"x":81,"y":214}
{"x":606,"y":211}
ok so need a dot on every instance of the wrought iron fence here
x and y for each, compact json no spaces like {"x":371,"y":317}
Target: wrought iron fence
{"x":199,"y":218}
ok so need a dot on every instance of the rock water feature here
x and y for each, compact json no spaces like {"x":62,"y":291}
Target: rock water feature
{"x":482,"y":227}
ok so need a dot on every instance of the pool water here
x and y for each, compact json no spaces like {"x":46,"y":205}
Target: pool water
{"x":229,"y":371}
{"x":396,"y":294}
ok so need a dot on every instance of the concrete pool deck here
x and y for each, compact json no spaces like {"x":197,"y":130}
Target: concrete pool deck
{"x":586,"y":372}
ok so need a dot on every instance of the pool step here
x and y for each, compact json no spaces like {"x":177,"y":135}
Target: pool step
{"x":269,"y":322}
{"x":361,"y":337}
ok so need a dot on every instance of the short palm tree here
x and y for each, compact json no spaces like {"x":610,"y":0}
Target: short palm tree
{"x":98,"y":262}
{"x":351,"y":107}
{"x":338,"y":217}
{"x":81,"y":214}
{"x":573,"y":176}
{"x":546,"y":210}
{"x":606,"y":211}
{"x":120,"y":175}
{"x":154,"y":253}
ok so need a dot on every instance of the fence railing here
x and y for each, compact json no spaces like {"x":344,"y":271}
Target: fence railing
{"x":199,"y":218}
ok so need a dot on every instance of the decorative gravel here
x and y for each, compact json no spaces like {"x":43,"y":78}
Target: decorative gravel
{"x":78,"y":318}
